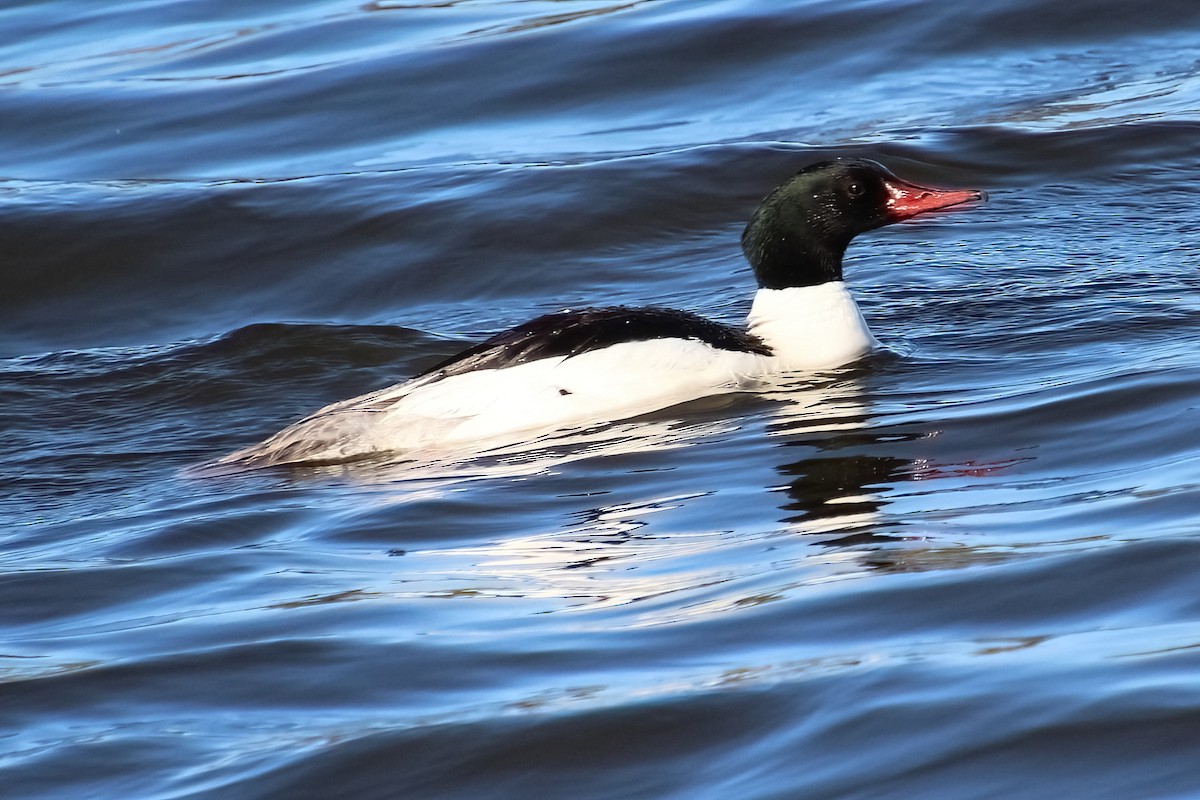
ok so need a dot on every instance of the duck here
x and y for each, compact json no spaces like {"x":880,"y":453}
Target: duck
{"x":582,"y":367}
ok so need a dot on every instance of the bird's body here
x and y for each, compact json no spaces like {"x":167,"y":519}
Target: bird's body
{"x":577,"y":368}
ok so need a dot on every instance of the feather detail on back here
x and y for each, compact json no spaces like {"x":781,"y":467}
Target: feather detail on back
{"x":570,"y":333}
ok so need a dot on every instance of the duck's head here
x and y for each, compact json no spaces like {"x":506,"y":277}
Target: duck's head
{"x":799,"y":233}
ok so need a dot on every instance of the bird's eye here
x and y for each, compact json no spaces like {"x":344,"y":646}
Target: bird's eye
{"x":856,"y":189}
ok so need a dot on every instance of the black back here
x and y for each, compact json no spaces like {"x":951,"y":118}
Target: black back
{"x":569,"y":333}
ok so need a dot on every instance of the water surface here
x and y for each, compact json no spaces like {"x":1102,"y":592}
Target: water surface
{"x":964,"y":568}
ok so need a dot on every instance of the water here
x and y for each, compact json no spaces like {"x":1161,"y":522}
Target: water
{"x":965,"y":568}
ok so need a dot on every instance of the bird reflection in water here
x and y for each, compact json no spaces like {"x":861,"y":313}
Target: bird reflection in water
{"x":841,"y":467}
{"x":854,"y":466}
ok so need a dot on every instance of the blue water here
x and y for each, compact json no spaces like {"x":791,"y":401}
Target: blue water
{"x":963,"y":568}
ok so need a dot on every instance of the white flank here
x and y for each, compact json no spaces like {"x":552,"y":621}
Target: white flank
{"x":809,"y":328}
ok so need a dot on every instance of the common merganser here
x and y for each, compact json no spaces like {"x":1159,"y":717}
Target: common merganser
{"x":575,"y":368}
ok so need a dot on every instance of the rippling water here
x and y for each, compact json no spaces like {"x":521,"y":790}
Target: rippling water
{"x":964,"y":568}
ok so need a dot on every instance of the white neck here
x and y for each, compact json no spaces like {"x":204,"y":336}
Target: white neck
{"x":811,"y":327}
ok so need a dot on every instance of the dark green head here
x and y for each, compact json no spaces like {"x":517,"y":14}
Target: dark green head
{"x":800,"y":232}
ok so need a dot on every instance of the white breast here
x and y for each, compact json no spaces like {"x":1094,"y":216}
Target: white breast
{"x":811,"y":327}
